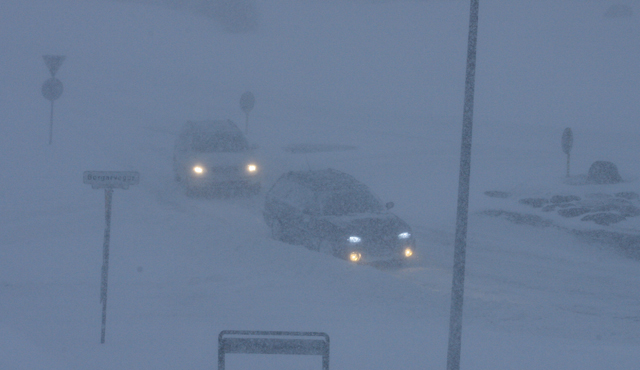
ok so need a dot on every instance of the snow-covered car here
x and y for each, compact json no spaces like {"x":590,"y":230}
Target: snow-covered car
{"x":215,"y":155}
{"x":332,"y":212}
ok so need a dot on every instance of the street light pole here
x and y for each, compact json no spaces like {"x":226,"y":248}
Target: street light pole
{"x":457,"y":287}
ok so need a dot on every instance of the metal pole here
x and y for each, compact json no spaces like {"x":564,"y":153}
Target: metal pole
{"x":108,"y":192}
{"x":325,"y":359}
{"x":568,"y":160}
{"x":246,"y":124}
{"x":457,"y":288}
{"x":51,"y":124}
{"x":220,"y":355}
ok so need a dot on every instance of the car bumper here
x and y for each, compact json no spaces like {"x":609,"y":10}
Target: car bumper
{"x":372,"y":255}
{"x":223,"y":181}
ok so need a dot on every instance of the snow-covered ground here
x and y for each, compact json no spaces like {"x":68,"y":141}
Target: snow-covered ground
{"x":385,"y":77}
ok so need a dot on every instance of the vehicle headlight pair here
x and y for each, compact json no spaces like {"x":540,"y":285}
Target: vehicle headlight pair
{"x":199,"y":170}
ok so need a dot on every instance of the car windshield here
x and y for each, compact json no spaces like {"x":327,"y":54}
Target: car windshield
{"x":349,"y":202}
{"x":207,"y":142}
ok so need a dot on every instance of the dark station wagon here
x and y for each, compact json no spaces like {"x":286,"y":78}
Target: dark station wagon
{"x":332,"y":212}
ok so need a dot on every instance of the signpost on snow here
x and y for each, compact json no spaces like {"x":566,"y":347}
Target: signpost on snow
{"x":567,"y":143}
{"x":457,"y":286}
{"x":52,"y":88}
{"x":247,"y":101}
{"x":108,"y":180}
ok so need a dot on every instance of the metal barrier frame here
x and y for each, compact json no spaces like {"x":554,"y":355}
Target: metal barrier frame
{"x":273,"y":346}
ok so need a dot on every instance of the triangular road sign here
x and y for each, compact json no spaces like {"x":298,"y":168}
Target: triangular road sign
{"x":53,"y":62}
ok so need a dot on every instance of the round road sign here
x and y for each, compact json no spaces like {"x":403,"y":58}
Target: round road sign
{"x":52,"y":89}
{"x":567,"y":140}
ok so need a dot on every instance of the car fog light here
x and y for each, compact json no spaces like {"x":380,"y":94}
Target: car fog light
{"x":198,"y":170}
{"x":252,"y":168}
{"x":355,"y":256}
{"x":354,"y":239}
{"x":408,"y":252}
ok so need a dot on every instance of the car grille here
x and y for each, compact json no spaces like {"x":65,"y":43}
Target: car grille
{"x":382,"y":247}
{"x":226,"y":170}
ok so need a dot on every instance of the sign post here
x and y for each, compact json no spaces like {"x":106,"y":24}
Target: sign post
{"x":52,"y":88}
{"x":459,"y":255}
{"x":567,"y":143}
{"x":247,"y":102}
{"x":108,"y":180}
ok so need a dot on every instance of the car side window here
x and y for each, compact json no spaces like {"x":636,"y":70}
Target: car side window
{"x":303,"y":199}
{"x":313,"y":205}
{"x":181,"y":142}
{"x":295,"y":197}
{"x":281,"y":189}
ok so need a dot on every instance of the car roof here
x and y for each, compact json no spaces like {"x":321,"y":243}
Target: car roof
{"x":329,"y":180}
{"x":212,"y":126}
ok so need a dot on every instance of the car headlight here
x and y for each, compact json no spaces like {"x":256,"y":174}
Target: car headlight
{"x":404,"y":235}
{"x":252,"y":168}
{"x":354,"y":239}
{"x":408,"y":252}
{"x":355,"y":256}
{"x":198,"y":170}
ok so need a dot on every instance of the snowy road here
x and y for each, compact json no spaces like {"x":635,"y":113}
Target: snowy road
{"x":381,"y":79}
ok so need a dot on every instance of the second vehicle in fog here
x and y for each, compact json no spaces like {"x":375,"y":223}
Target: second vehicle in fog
{"x":215,"y":155}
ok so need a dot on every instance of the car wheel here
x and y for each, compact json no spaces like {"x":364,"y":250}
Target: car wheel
{"x":339,"y":252}
{"x":325,"y":246}
{"x":255,"y":189}
{"x":277,"y":232}
{"x":190,"y":192}
{"x":312,"y":243}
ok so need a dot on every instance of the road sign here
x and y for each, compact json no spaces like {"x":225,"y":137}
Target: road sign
{"x":111,"y":179}
{"x":273,"y":343}
{"x":53,"y":62}
{"x":108,"y":180}
{"x":52,"y":89}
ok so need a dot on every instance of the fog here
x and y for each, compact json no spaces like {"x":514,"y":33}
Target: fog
{"x":371,"y":88}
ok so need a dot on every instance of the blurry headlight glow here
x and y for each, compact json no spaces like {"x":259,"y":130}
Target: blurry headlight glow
{"x":252,"y":168}
{"x":355,"y":256}
{"x":354,"y":239}
{"x":408,"y":252}
{"x":404,"y":235}
{"x":198,"y":170}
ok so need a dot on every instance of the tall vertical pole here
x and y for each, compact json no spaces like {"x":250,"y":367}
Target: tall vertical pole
{"x":51,"y":124}
{"x":246,"y":124}
{"x":108,"y":192}
{"x":568,"y":161}
{"x":457,"y":288}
